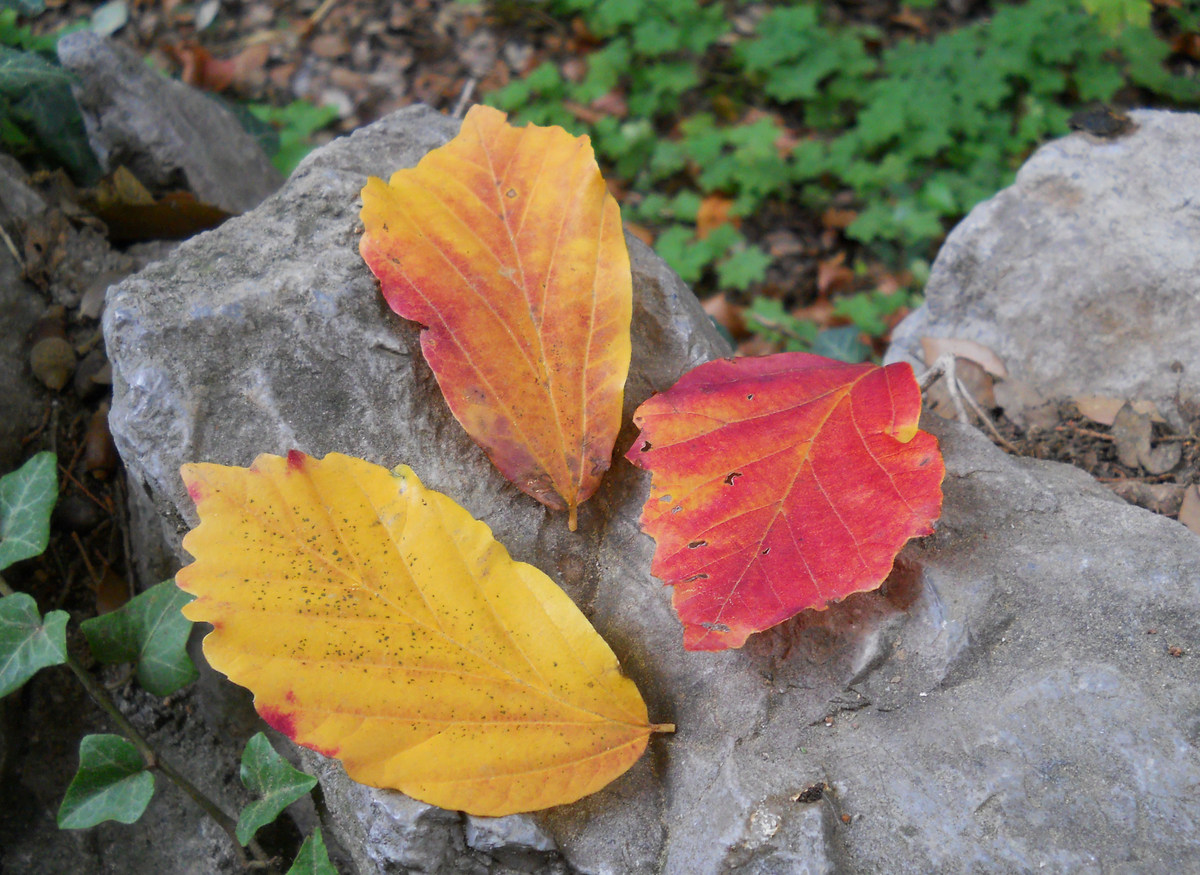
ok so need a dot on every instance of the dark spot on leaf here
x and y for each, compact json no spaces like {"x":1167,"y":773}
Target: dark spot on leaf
{"x":512,"y":192}
{"x":765,"y":551}
{"x":700,"y":576}
{"x":645,"y":446}
{"x":924,"y":462}
{"x":750,"y":397}
{"x":695,"y":544}
{"x":731,"y":476}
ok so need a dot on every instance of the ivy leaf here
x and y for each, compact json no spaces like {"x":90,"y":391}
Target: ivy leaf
{"x":376,"y":621}
{"x":265,"y":773}
{"x":35,"y":96}
{"x":27,"y":642}
{"x":507,"y":246}
{"x":744,"y":268}
{"x":781,"y":484}
{"x":842,"y":344}
{"x":112,"y":784}
{"x":313,"y":858}
{"x":148,"y":630}
{"x":27,"y":497}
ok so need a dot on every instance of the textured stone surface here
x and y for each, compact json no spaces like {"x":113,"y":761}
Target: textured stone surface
{"x":997,"y":706}
{"x":1082,"y":275}
{"x":169,"y":135}
{"x":20,"y":306}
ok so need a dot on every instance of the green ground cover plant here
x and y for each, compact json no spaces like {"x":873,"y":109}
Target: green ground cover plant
{"x":686,"y":99}
{"x":116,"y":775}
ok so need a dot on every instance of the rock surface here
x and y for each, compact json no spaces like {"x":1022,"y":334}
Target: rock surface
{"x":169,"y":135}
{"x":1000,"y":705}
{"x":1082,"y":275}
{"x":21,"y":308}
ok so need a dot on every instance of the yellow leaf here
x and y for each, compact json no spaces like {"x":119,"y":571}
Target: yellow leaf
{"x":507,"y":246}
{"x":377,"y":621}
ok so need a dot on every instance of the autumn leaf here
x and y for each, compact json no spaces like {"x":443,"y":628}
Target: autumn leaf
{"x":376,"y":621}
{"x":506,"y":245}
{"x":779,"y":484}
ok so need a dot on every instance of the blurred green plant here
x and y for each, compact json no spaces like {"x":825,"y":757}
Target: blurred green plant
{"x":39,"y":118}
{"x":290,"y":130}
{"x":777,"y":103}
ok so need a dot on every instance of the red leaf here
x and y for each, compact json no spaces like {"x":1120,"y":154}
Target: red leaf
{"x":779,"y":484}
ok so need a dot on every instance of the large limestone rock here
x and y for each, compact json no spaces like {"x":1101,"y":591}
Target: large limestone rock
{"x":1081,"y":276}
{"x":1000,"y":705}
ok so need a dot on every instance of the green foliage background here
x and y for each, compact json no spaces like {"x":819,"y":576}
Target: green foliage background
{"x":918,"y":129}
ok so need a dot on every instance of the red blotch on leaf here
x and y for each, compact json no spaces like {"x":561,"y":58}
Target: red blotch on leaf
{"x":279,"y":720}
{"x":296,"y":460}
{"x":833,"y":478}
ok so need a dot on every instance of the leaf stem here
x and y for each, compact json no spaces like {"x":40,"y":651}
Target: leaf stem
{"x":153,"y":761}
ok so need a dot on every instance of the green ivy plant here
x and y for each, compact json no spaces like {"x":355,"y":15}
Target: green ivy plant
{"x":707,"y":96}
{"x":116,"y":775}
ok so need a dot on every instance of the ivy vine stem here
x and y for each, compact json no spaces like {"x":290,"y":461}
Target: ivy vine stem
{"x":153,"y":761}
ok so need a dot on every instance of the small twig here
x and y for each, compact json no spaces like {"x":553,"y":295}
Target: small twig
{"x":318,"y":16}
{"x":1146,"y":478}
{"x":100,"y":696}
{"x":103,"y":505}
{"x":12,"y":248}
{"x":96,"y":579}
{"x":1087,"y":432}
{"x":464,"y":98}
{"x":40,"y":428}
{"x":944,"y":367}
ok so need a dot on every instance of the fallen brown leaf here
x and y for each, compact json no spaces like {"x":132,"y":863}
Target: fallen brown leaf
{"x":713,"y":213}
{"x":1189,"y":509}
{"x":935,"y":347}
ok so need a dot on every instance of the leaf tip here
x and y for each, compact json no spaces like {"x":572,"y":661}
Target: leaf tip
{"x":573,"y":517}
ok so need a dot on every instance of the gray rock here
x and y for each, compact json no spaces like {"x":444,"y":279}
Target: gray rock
{"x":21,"y":306}
{"x":169,"y":135}
{"x":1082,"y":275}
{"x":996,"y":706}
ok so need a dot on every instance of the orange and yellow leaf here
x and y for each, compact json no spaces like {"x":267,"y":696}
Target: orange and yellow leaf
{"x":779,"y":484}
{"x":506,"y":245}
{"x":377,"y":621}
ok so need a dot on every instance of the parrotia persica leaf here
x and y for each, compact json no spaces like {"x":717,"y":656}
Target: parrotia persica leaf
{"x":112,"y":784}
{"x":149,"y":631}
{"x":376,"y":621}
{"x":271,"y":778}
{"x":507,"y":246}
{"x":781,"y":483}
